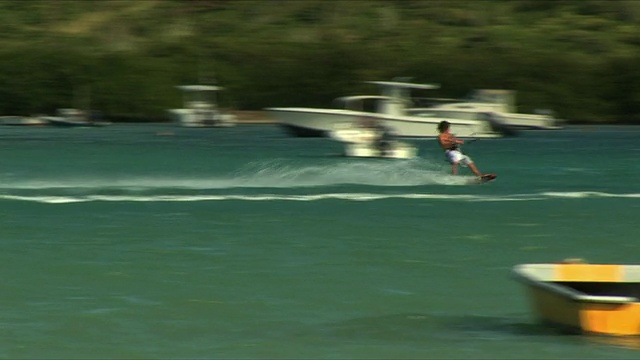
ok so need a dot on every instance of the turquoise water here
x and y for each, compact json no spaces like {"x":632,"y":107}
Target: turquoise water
{"x":152,"y":241}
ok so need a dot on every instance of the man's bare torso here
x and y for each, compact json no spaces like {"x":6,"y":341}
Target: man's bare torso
{"x":447,"y":141}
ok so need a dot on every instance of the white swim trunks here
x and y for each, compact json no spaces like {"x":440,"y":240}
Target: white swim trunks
{"x":455,"y":156}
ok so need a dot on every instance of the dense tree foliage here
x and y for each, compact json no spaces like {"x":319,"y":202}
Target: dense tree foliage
{"x":578,"y":57}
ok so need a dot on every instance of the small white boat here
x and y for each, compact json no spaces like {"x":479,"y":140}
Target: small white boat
{"x":69,"y":117}
{"x":389,"y":109}
{"x":201,"y":108}
{"x":371,"y":141}
{"x":499,"y":102}
{"x":11,"y":120}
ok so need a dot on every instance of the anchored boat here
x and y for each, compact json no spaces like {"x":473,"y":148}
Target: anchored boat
{"x":499,"y":102}
{"x":201,"y":108}
{"x":587,"y":298}
{"x":370,"y":139}
{"x":391,"y":108}
{"x":70,"y":117}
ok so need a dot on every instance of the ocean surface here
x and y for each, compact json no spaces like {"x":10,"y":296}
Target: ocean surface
{"x":160,"y":242}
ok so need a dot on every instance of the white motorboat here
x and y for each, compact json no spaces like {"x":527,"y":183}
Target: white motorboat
{"x":70,"y":117}
{"x":201,"y":108}
{"x":371,"y":141}
{"x":500,"y":103}
{"x":390,"y":109}
{"x":80,"y":115}
{"x":13,"y":120}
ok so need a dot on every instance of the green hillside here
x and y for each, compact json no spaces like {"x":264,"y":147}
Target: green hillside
{"x":580,"y":58}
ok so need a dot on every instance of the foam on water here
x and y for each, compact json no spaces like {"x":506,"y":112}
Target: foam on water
{"x":587,"y":194}
{"x":276,"y":173}
{"x":62,"y":199}
{"x":269,"y":174}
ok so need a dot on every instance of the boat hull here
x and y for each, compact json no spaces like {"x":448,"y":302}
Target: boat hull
{"x":319,"y":122}
{"x":62,"y":122}
{"x":531,"y":121}
{"x":584,"y":298}
{"x":299,"y":131}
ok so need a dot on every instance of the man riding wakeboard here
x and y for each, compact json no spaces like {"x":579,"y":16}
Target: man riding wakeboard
{"x":451,"y":146}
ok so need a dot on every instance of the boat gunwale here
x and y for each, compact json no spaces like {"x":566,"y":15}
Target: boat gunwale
{"x":528,"y":277}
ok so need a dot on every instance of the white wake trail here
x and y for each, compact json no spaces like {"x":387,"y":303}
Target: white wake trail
{"x":312,"y":197}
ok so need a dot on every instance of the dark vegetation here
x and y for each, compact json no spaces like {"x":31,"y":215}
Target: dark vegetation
{"x":580,"y":58}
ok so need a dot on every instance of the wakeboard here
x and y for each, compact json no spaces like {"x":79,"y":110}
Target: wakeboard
{"x":483,"y":179}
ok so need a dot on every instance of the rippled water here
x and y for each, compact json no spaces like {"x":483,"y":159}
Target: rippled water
{"x":150,"y":241}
